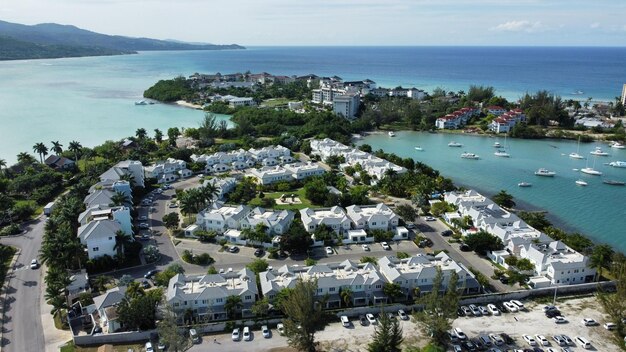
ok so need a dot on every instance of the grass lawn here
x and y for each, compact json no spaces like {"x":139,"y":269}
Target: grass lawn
{"x":38,"y":208}
{"x":275,"y":195}
{"x":82,"y":162}
{"x":270,"y":103}
{"x":70,"y":347}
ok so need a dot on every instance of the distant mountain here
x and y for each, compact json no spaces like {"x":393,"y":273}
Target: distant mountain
{"x":12,"y":49}
{"x":55,"y":38}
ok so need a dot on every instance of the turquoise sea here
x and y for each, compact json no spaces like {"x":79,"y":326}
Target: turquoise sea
{"x":597,"y":210}
{"x":92,"y":100}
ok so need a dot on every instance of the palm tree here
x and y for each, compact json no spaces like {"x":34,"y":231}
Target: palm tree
{"x":40,"y":149}
{"x":57,"y":147}
{"x":129,"y":178}
{"x":232,"y":306}
{"x":3,"y":163}
{"x":75,"y":147}
{"x":58,"y":304}
{"x":346,"y":296}
{"x":25,"y":158}
{"x":119,"y":198}
{"x":100,"y":283}
{"x":141,"y":133}
{"x":121,"y":240}
{"x":158,"y":136}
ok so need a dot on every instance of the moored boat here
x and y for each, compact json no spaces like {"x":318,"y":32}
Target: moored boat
{"x":470,"y":156}
{"x":391,"y":134}
{"x":614,"y":182}
{"x":524,"y":184}
{"x":599,"y":152}
{"x":497,"y":145}
{"x":590,"y":171}
{"x":419,"y":148}
{"x":502,"y":153}
{"x":141,"y":102}
{"x":545,"y":173}
{"x":581,"y":183}
{"x":618,"y":164}
{"x":454,"y":144}
{"x":618,"y":145}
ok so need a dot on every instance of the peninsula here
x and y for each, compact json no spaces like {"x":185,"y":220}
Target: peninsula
{"x":51,"y":40}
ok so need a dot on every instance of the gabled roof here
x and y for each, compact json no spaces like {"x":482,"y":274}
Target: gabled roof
{"x":110,"y":297}
{"x":98,"y":229}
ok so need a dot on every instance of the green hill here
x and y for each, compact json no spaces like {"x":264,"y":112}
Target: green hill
{"x":50,"y":40}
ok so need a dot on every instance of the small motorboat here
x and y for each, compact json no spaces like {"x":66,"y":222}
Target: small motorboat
{"x":618,"y":145}
{"x":524,"y":184}
{"x":497,"y":145}
{"x":470,"y":156}
{"x":545,"y":173}
{"x":419,"y":148}
{"x":581,"y":183}
{"x":618,"y":163}
{"x":141,"y":102}
{"x":454,"y":144}
{"x":599,"y":152}
{"x":614,"y":182}
{"x":391,"y":134}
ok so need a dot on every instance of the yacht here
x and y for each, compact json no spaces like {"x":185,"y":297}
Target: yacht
{"x":577,"y":155}
{"x":419,"y":148}
{"x":618,"y":145}
{"x":454,"y":144}
{"x":599,"y":152}
{"x":141,"y":102}
{"x":618,"y":164}
{"x":470,"y":156}
{"x":524,"y":184}
{"x":391,"y":134}
{"x":497,"y":145}
{"x":545,"y":172}
{"x":590,"y":171}
{"x":614,"y":183}
{"x":502,"y":153}
{"x":581,"y":183}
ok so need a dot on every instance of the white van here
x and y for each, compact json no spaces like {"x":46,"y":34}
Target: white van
{"x":345,"y":321}
{"x":583,"y":342}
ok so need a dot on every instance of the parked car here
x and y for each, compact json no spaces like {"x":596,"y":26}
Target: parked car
{"x":475,"y":310}
{"x":233,"y":249}
{"x":363,"y":320}
{"x":568,"y":340}
{"x":148,"y":347}
{"x":493,"y":309}
{"x":466,"y":310}
{"x":430,"y":218}
{"x":457,"y":348}
{"x":145,"y":284}
{"x":464,"y":247}
{"x":560,"y":320}
{"x":150,"y":273}
{"x":469,"y":346}
{"x":559,"y":340}
{"x":391,"y":316}
{"x":144,"y":225}
{"x":553,"y":313}
{"x":365,"y":247}
{"x":520,"y":305}
{"x":497,"y":340}
{"x":549,"y":308}
{"x":161,"y":346}
{"x":447,"y":233}
{"x":529,"y":340}
{"x":259,"y":252}
{"x":345,"y":321}
{"x":402,"y":314}
{"x":34,"y":264}
{"x":610,"y":326}
{"x":142,"y":218}
{"x":193,"y":335}
{"x":589,"y":322}
{"x":483,"y":310}
{"x":247,"y":336}
{"x":460,"y":334}
{"x":265,"y":331}
{"x":460,"y":312}
{"x":507,"y":339}
{"x":542,"y":340}
{"x":386,"y":246}
{"x":280,"y":328}
{"x":329,"y":250}
{"x":510,"y":307}
{"x":370,"y":317}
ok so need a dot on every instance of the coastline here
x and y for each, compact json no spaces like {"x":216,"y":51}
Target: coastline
{"x":189,"y":105}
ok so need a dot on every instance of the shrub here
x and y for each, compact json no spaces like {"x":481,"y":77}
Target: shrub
{"x":10,"y":230}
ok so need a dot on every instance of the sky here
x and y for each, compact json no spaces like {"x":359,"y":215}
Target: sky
{"x":340,"y":22}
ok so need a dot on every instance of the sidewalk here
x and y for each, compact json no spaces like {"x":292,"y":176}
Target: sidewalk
{"x":53,"y":337}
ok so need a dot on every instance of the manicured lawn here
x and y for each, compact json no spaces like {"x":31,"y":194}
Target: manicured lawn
{"x":70,"y":347}
{"x":270,"y":103}
{"x":275,"y":195}
{"x":81,"y":163}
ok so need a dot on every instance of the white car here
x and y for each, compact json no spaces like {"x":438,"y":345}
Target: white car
{"x":483,"y":310}
{"x":457,"y":348}
{"x":610,"y":326}
{"x":589,"y":322}
{"x":530,"y":340}
{"x":560,"y":320}
{"x":460,"y":334}
{"x":493,"y":309}
{"x":430,"y":218}
{"x":235,"y":335}
{"x":402,"y":314}
{"x":475,"y":310}
{"x":345,"y":321}
{"x":265,"y":331}
{"x":365,"y":247}
{"x":246,"y":334}
{"x":386,"y":246}
{"x":34,"y":264}
{"x":510,"y":307}
{"x":520,"y":305}
{"x":542,"y":340}
{"x":144,"y":225}
{"x":329,"y":250}
{"x":370,"y":317}
{"x":496,"y":339}
{"x":280,"y":328}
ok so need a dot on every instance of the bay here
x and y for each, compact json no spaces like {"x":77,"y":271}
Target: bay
{"x":597,"y":210}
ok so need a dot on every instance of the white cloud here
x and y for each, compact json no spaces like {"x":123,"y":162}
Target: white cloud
{"x":519,"y":26}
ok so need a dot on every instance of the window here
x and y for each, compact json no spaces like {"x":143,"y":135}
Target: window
{"x":332,"y":289}
{"x":248,"y":298}
{"x":374,"y":223}
{"x":379,"y":286}
{"x":110,"y":238}
{"x":176,"y":304}
{"x":95,"y":249}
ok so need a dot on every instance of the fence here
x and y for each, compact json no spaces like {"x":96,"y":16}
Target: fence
{"x":114,"y":338}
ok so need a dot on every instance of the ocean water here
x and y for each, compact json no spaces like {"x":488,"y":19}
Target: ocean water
{"x":597,"y":210}
{"x":92,"y":100}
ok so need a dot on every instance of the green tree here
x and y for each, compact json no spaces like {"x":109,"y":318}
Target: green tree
{"x":24,"y":158}
{"x":172,"y":134}
{"x":406,"y":212}
{"x":75,"y":147}
{"x":141,"y":133}
{"x":304,"y":315}
{"x":601,"y":258}
{"x":169,"y":331}
{"x":346,"y":296}
{"x":258,"y":266}
{"x":119,"y":198}
{"x":372,"y":260}
{"x":233,"y":306}
{"x":482,"y":242}
{"x":525,"y":264}
{"x":40,"y":149}
{"x":57,"y":147}
{"x":261,"y":307}
{"x":504,"y":199}
{"x":387,"y":335}
{"x":392,"y":290}
{"x":535,"y":219}
{"x":171,"y":220}
{"x":139,"y":312}
{"x":101,"y":281}
{"x":122,"y":241}
{"x":158,"y":136}
{"x":614,"y":302}
{"x":438,"y":313}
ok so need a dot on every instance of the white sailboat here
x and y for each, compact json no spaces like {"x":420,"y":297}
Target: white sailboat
{"x":599,"y":152}
{"x":577,"y":155}
{"x":617,"y":145}
{"x":502,"y":152}
{"x":591,"y":170}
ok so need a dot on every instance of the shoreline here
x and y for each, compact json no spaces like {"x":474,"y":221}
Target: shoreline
{"x":188,"y":105}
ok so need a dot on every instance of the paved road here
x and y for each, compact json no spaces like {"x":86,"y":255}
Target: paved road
{"x":23,"y":330}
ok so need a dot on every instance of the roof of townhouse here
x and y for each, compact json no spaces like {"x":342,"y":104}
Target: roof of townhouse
{"x":494,"y":107}
{"x":356,"y":212}
{"x":101,"y":196}
{"x":98,"y":229}
{"x":226,"y":211}
{"x":110,"y":298}
{"x":211,"y":285}
{"x":334,"y":215}
{"x":269,"y":218}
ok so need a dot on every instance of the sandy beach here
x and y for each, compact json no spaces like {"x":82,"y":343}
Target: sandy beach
{"x":188,"y":105}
